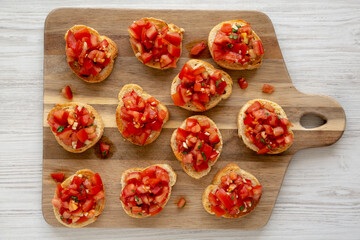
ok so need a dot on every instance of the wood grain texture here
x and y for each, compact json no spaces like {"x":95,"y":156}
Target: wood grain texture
{"x":320,"y":195}
{"x":270,"y":170}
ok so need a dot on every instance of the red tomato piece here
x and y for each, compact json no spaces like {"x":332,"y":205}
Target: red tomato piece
{"x":224,"y":198}
{"x":242,"y":83}
{"x":197,"y":49}
{"x":82,"y":135}
{"x":174,"y":51}
{"x":104,"y":149}
{"x":218,"y":211}
{"x":178,"y":101}
{"x":146,"y":57}
{"x":165,"y":60}
{"x":181,"y":203}
{"x":89,"y":203}
{"x":267,"y":88}
{"x":81,"y":33}
{"x":66,"y":91}
{"x":199,"y":105}
{"x":258,"y":47}
{"x":71,"y":40}
{"x":173,"y":38}
{"x":154,"y":209}
{"x":226,"y":28}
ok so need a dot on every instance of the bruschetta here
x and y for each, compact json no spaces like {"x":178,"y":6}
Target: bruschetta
{"x":139,"y":116}
{"x":234,"y":193}
{"x":199,"y":86}
{"x":80,"y":199}
{"x":264,"y":127}
{"x":76,"y":126}
{"x":156,"y":43}
{"x":90,"y":56}
{"x":234,"y":45}
{"x":145,"y":191}
{"x":197,"y":144}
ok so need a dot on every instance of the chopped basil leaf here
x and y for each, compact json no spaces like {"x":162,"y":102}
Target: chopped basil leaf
{"x":136,"y":198}
{"x":200,"y":145}
{"x":233,"y":37}
{"x":215,"y":143}
{"x":262,"y":140}
{"x":104,"y":153}
{"x":75,"y":198}
{"x":202,"y":84}
{"x":61,"y":217}
{"x":244,"y":118}
{"x":75,"y":115}
{"x":267,"y":114}
{"x":140,"y":214}
{"x":269,"y":147}
{"x":278,"y":117}
{"x":203,"y":154}
{"x":234,"y":30}
{"x":133,"y":190}
{"x":60,"y":129}
{"x":241,"y":208}
{"x":185,"y":152}
{"x":217,"y":83}
{"x":230,"y":45}
{"x":238,"y":26}
{"x":232,"y":198}
{"x":246,"y":113}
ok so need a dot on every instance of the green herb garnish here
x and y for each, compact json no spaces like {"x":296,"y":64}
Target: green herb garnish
{"x":234,"y":30}
{"x":136,"y":198}
{"x":232,"y":198}
{"x":230,"y":45}
{"x":60,"y":129}
{"x":244,"y":118}
{"x":185,"y":152}
{"x":200,"y":145}
{"x":269,"y":147}
{"x":104,"y":153}
{"x":278,"y":117}
{"x":241,"y":208}
{"x":267,"y":114}
{"x":217,"y":83}
{"x":75,"y":198}
{"x":202,"y":84}
{"x":238,"y":26}
{"x":262,"y":140}
{"x":203,"y":154}
{"x":140,"y":213}
{"x":133,"y":190}
{"x":61,"y":217}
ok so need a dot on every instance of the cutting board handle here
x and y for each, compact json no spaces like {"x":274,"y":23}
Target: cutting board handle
{"x":330,"y":132}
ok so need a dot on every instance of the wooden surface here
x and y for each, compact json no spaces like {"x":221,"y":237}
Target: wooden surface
{"x":269,"y":169}
{"x":319,"y":198}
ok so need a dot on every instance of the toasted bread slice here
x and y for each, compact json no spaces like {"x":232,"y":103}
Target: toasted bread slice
{"x":231,"y":167}
{"x":241,"y":126}
{"x":234,"y":66}
{"x":98,"y":122}
{"x":188,"y":168}
{"x":161,"y":24}
{"x":129,"y":88}
{"x":112,"y":49}
{"x":214,"y":100}
{"x":172,"y":177}
{"x":99,"y":204}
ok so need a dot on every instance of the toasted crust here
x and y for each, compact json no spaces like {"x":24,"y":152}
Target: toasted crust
{"x":231,"y":167}
{"x":188,"y":167}
{"x":172,"y":176}
{"x":195,"y":63}
{"x":97,"y":121}
{"x":161,"y":24}
{"x":98,"y":208}
{"x":225,"y":64}
{"x":128,"y":88}
{"x":107,"y":70}
{"x":241,"y":126}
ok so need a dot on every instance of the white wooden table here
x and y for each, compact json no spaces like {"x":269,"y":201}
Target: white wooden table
{"x":320,"y":196}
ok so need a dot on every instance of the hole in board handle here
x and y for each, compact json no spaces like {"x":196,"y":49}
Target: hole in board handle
{"x":312,"y":120}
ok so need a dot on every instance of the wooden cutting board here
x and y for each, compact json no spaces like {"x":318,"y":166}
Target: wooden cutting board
{"x":270,"y":170}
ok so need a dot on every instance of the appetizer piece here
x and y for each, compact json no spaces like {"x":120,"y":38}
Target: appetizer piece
{"x":234,"y":45}
{"x":80,"y":199}
{"x":76,"y":126}
{"x":197,"y":144}
{"x":145,"y":191}
{"x":156,"y":43}
{"x":234,"y":193}
{"x":67,"y":93}
{"x":199,"y":86}
{"x":197,"y":48}
{"x":90,"y":56}
{"x":139,"y":116}
{"x":264,"y":127}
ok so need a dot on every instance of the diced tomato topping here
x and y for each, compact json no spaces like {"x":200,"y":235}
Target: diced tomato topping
{"x":74,"y":200}
{"x":84,"y":48}
{"x":145,"y":192}
{"x":264,"y":129}
{"x":267,"y":88}
{"x":197,"y":143}
{"x":141,"y":117}
{"x":236,"y":44}
{"x":155,"y":43}
{"x":234,"y":195}
{"x":197,"y":49}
